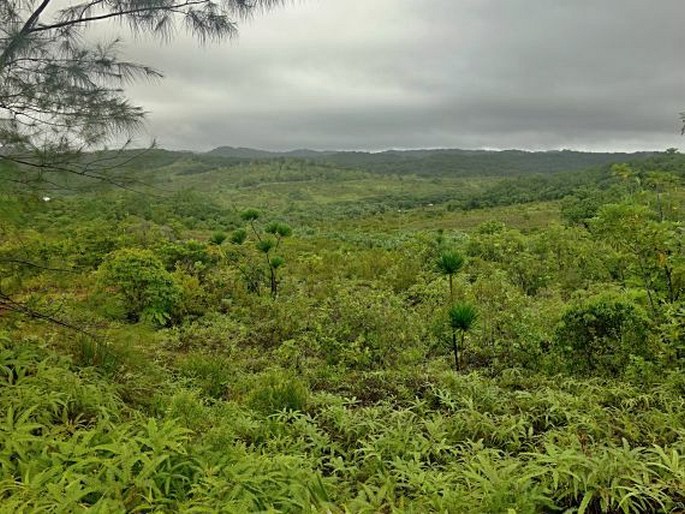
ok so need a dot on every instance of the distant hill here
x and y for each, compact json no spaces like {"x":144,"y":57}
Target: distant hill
{"x":528,"y":175}
{"x":254,"y":154}
{"x":477,"y":163}
{"x":142,"y":167}
{"x":452,"y":162}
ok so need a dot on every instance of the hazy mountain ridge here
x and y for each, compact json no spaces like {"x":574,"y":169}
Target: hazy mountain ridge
{"x":159,"y":165}
{"x":254,"y":153}
{"x":444,"y":161}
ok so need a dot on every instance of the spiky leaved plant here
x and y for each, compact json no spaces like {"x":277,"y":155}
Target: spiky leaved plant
{"x":268,"y":241}
{"x":279,"y":231}
{"x":218,"y":237}
{"x":462,"y":317}
{"x":449,"y":263}
{"x":238,"y":236}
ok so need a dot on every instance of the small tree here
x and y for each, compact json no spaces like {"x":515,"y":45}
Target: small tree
{"x":279,"y":231}
{"x":449,"y":263}
{"x":251,"y":275}
{"x":268,"y":241}
{"x":61,"y":94}
{"x":146,"y":287}
{"x":651,"y":249}
{"x":462,"y":317}
{"x":601,"y":334}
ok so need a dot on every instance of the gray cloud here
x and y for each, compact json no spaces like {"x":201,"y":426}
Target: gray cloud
{"x":355,"y":74}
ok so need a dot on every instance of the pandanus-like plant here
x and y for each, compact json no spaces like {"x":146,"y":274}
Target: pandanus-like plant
{"x":278,"y":231}
{"x":449,"y":263}
{"x":218,"y":238}
{"x":268,"y":241}
{"x":462,"y":317}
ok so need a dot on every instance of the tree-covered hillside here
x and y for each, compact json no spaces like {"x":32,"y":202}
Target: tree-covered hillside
{"x":451,"y":162}
{"x":136,"y":168}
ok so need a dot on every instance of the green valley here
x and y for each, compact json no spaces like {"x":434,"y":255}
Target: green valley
{"x":238,"y":331}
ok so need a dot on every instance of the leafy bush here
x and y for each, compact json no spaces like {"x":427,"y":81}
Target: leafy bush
{"x":218,"y":237}
{"x":191,"y":256}
{"x":369,"y":329}
{"x":146,"y":288}
{"x":275,"y":391}
{"x":601,"y":334}
{"x":210,"y":374}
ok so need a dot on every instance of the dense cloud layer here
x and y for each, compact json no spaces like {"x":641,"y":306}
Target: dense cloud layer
{"x":361,"y":74}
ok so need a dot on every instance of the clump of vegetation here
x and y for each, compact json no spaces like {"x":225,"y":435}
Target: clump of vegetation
{"x":449,"y":263}
{"x":268,"y":241}
{"x":145,"y":287}
{"x":218,"y":237}
{"x":601,"y":334}
{"x":275,"y":392}
{"x":462,"y":317}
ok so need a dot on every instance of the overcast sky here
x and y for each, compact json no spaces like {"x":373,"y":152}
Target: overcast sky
{"x":377,"y":74}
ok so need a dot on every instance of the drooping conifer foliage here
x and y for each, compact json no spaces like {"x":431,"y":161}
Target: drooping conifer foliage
{"x":61,"y":94}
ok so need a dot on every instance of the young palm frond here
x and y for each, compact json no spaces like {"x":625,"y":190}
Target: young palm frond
{"x":449,"y":263}
{"x":462,"y":317}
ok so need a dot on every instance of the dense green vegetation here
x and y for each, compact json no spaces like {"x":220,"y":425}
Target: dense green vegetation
{"x":282,"y":336}
{"x":451,"y":162}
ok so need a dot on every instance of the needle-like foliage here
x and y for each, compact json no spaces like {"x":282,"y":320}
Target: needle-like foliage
{"x":449,"y":263}
{"x":462,"y":317}
{"x":61,"y":94}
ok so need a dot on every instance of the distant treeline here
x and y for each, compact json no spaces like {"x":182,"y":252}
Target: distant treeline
{"x":446,"y":162}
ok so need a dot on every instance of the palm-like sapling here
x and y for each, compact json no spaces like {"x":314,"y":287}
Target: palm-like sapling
{"x":279,"y":231}
{"x":218,"y":238}
{"x":268,"y":243}
{"x":238,"y":236}
{"x":449,"y":263}
{"x":462,"y":317}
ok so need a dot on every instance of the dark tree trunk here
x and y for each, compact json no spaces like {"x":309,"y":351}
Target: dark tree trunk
{"x":668,"y":272}
{"x":274,"y":284}
{"x":456,"y":350}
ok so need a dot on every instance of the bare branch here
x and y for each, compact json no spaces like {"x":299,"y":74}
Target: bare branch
{"x":8,"y":303}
